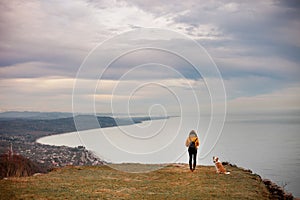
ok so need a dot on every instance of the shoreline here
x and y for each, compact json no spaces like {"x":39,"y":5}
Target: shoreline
{"x":276,"y":191}
{"x":31,"y":148}
{"x":22,"y":136}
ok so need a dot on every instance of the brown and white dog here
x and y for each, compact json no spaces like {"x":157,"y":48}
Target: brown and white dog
{"x":219,"y":167}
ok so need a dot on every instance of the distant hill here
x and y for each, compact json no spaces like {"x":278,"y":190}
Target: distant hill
{"x":36,"y":128}
{"x":123,"y":118}
{"x":34,"y":115}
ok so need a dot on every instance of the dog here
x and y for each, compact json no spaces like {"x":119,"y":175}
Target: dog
{"x":220,"y":169}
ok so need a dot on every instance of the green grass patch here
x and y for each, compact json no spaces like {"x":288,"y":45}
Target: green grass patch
{"x":171,"y":182}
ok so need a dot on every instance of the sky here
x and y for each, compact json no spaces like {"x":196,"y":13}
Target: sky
{"x":255,"y":46}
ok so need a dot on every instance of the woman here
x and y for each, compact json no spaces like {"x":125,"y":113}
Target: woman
{"x":192,"y":142}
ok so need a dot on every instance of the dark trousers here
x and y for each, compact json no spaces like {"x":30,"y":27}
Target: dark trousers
{"x":192,"y":156}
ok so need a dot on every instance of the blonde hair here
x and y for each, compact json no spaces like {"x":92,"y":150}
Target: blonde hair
{"x":193,"y":133}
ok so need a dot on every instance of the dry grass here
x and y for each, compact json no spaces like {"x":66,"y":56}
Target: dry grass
{"x":171,"y":182}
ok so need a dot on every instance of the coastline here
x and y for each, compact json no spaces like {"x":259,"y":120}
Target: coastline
{"x":275,"y":190}
{"x":32,"y":149}
{"x":22,"y":135}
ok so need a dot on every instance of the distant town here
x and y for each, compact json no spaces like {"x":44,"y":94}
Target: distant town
{"x":48,"y":156}
{"x":20,"y":130}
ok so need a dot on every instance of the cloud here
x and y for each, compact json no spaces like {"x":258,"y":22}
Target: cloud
{"x":269,"y":67}
{"x":33,"y":70}
{"x":138,"y":96}
{"x":259,"y":37}
{"x":249,"y":86}
{"x":286,"y":100}
{"x":44,"y":94}
{"x":34,"y":32}
{"x":255,"y":44}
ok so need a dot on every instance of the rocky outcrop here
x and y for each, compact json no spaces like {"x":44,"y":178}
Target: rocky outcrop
{"x":276,"y":191}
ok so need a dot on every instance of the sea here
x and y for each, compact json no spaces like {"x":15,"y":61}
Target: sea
{"x":268,"y":145}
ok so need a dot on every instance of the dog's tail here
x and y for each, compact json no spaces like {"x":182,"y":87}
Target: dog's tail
{"x":227,"y":172}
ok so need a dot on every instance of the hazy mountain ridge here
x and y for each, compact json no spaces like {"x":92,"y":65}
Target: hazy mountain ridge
{"x":34,"y":115}
{"x":39,"y":128}
{"x":39,"y":124}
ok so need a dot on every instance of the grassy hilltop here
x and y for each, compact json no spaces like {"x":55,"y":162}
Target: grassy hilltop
{"x":102,"y":182}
